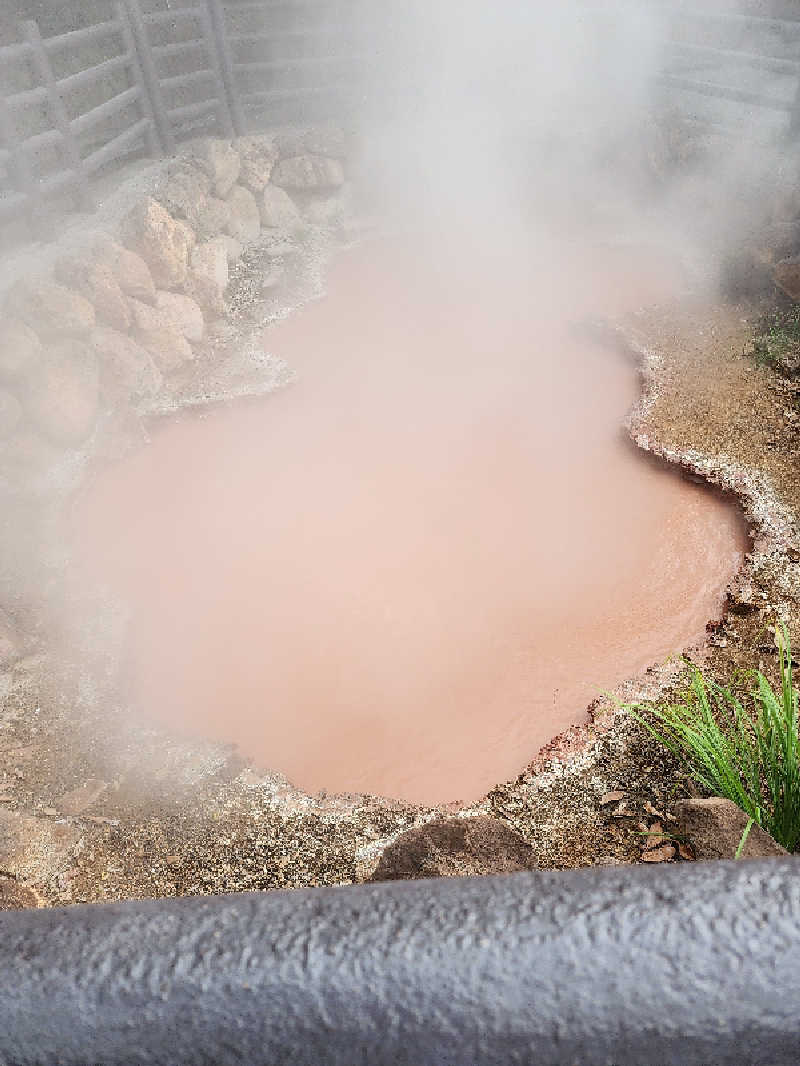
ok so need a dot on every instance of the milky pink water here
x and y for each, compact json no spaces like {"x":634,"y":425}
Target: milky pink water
{"x":410,"y":570}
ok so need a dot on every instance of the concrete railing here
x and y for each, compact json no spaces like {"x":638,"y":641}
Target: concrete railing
{"x":687,"y":966}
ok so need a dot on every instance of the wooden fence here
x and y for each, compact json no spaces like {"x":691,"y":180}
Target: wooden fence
{"x":157,"y":74}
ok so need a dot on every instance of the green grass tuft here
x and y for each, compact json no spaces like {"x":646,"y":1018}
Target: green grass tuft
{"x":748,"y":756}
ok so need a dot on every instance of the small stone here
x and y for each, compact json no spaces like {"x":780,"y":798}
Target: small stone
{"x":258,"y":155}
{"x":182,"y":314}
{"x":20,"y":350}
{"x":455,"y":847}
{"x":714,"y":828}
{"x":687,"y":852}
{"x":666,"y":853}
{"x":220,"y":161}
{"x":245,"y":220}
{"x":233,"y":248}
{"x":278,"y":210}
{"x":655,"y":836}
{"x":308,"y":172}
{"x":79,"y":799}
{"x":184,"y":191}
{"x":652,"y":810}
{"x":51,"y":812}
{"x":612,"y":797}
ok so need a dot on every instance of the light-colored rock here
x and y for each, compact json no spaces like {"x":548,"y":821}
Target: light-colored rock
{"x":213,"y":219}
{"x":245,"y":221}
{"x":258,"y":155}
{"x":714,"y":828}
{"x":327,"y":139}
{"x":127,"y":369}
{"x":278,"y":210}
{"x":455,"y":847}
{"x":184,"y":191}
{"x":131,"y":271}
{"x":34,"y":849}
{"x":50,"y":309}
{"x":220,"y":161}
{"x":62,"y":398}
{"x":154,"y":235}
{"x":233,"y":248}
{"x":95,"y":280}
{"x":20,"y":350}
{"x":188,"y":233}
{"x":208,"y":274}
{"x":10,"y":640}
{"x":154,"y":331}
{"x":10,"y":414}
{"x":308,"y":172}
{"x":181,"y":313}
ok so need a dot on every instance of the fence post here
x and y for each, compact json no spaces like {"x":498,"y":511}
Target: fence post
{"x":224,"y":113}
{"x":225,"y":62}
{"x":19,"y":168}
{"x":59,"y":113}
{"x":149,"y":74}
{"x":154,"y":143}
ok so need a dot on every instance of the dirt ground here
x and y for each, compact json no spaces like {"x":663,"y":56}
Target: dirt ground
{"x":94,"y":807}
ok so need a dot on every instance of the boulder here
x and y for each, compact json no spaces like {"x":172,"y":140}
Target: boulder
{"x":154,"y":235}
{"x":20,"y":350}
{"x":184,"y":191}
{"x":213,"y":219}
{"x":10,"y":641}
{"x":220,"y":161}
{"x":155,"y":332}
{"x":10,"y":414}
{"x":188,"y":233}
{"x":50,"y":309}
{"x":278,"y":210}
{"x":127,"y":369}
{"x":62,"y":398}
{"x":258,"y":155}
{"x":455,"y":847}
{"x":324,"y":211}
{"x":786,"y":275}
{"x":245,"y":220}
{"x":714,"y":828}
{"x":182,"y":314}
{"x":308,"y":172}
{"x":325,"y":140}
{"x":95,"y":280}
{"x":132,"y":273}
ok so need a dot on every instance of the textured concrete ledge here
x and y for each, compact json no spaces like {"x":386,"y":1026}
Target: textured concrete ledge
{"x":684,"y":966}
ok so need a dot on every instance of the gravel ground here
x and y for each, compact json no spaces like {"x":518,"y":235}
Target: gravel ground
{"x":94,"y":806}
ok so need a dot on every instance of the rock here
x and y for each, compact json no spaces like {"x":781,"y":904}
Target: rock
{"x":160,"y":241}
{"x":50,"y":309}
{"x":15,"y":896}
{"x":20,"y":350}
{"x":220,"y":161}
{"x":455,"y":847}
{"x":182,"y":314}
{"x":131,"y":271}
{"x":714,"y":828}
{"x":665,"y":853}
{"x":308,"y":172}
{"x":325,"y":140}
{"x":245,"y":221}
{"x":154,"y":331}
{"x":612,"y":797}
{"x":233,"y":248}
{"x":786,"y":275}
{"x":188,"y":233}
{"x":10,"y":414}
{"x":95,"y":280}
{"x":258,"y":155}
{"x":278,"y":210}
{"x":212,"y":219}
{"x":184,"y":191}
{"x":208,"y":274}
{"x":325,"y":211}
{"x":10,"y":641}
{"x":126,"y":367}
{"x":62,"y":398}
{"x":80,"y":799}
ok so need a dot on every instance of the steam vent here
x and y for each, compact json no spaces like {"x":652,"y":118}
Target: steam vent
{"x":398,"y":454}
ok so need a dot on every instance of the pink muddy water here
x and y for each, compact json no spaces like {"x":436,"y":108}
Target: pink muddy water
{"x":407,"y":572}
